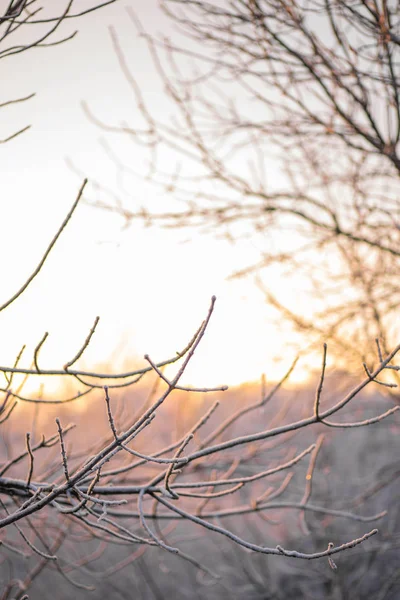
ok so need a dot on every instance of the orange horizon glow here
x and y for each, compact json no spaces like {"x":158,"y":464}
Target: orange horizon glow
{"x":59,"y":387}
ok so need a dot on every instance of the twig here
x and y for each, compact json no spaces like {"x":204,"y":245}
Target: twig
{"x":63,"y":452}
{"x":28,"y":445}
{"x":84,"y":346}
{"x":37,"y":350}
{"x":47,"y":252}
{"x":320,"y":385}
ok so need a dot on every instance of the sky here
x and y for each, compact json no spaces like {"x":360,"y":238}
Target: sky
{"x":151,"y":287}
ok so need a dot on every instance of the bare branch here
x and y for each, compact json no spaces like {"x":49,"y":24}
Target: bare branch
{"x":47,"y":252}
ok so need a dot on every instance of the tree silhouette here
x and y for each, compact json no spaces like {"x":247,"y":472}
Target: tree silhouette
{"x":284,"y":117}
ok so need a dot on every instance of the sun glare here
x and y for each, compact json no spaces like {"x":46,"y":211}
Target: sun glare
{"x":149,"y":288}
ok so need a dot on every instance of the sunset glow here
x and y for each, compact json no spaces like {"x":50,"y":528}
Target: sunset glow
{"x":150,"y":287}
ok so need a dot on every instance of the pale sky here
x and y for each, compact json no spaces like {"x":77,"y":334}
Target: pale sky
{"x":150,"y":287}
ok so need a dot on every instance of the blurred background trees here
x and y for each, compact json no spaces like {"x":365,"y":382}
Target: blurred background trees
{"x":284,"y":127}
